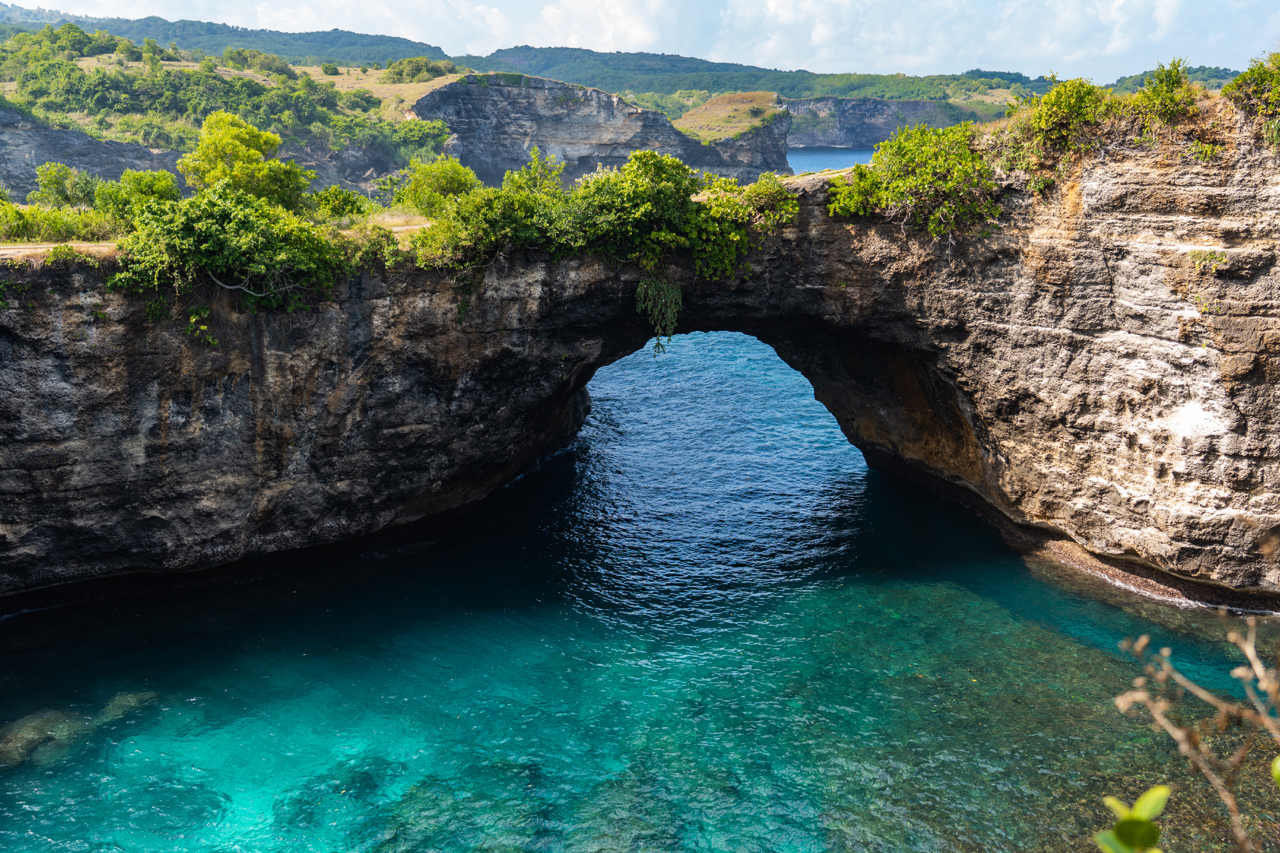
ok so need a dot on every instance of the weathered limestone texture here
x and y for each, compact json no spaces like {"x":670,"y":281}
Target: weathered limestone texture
{"x":861,"y":122}
{"x":497,"y":118}
{"x":1103,"y":369}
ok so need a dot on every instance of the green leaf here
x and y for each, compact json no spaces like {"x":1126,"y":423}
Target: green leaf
{"x":1150,"y":804}
{"x":1110,"y":844}
{"x":1275,"y":770}
{"x":1120,"y":809}
{"x":1137,"y":833}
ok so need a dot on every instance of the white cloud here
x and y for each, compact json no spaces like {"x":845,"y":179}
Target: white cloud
{"x":1102,"y":39}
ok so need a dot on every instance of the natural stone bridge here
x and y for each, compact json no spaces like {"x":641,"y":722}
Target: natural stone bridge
{"x":1102,"y":372}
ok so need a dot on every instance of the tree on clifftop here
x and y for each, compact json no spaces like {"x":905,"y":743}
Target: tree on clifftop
{"x":232,"y":150}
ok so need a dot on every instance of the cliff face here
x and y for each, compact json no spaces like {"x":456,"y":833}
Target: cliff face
{"x":25,"y":145}
{"x":1104,"y":369}
{"x":497,"y":118}
{"x":860,"y":122}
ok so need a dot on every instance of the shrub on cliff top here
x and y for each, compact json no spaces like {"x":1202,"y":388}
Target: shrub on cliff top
{"x":227,"y":239}
{"x":1057,"y":118}
{"x":642,"y":213}
{"x":1166,"y":94}
{"x":1257,"y":90}
{"x":923,"y":177}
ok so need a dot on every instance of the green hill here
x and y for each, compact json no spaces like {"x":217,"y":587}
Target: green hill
{"x":1213,"y":78}
{"x":665,"y":74}
{"x":339,"y":46}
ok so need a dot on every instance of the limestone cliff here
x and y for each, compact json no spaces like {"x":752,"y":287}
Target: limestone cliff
{"x":497,"y":118}
{"x":861,"y":122}
{"x":24,"y":145}
{"x":1104,"y":369}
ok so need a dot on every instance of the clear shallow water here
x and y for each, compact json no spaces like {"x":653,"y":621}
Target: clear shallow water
{"x":816,"y":159}
{"x":705,"y":626}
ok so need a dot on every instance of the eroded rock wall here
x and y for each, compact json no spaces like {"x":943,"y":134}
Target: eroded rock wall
{"x":24,"y":145}
{"x":1104,"y":369}
{"x":861,"y":122}
{"x":496,"y":119}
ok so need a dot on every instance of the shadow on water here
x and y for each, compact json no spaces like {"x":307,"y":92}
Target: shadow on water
{"x":705,"y":625}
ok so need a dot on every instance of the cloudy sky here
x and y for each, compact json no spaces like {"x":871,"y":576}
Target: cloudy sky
{"x":1102,"y":39}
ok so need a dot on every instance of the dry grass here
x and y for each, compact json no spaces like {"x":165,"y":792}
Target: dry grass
{"x":729,"y":115}
{"x":397,"y":98}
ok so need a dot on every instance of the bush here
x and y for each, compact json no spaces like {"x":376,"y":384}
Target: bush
{"x":234,"y":151}
{"x":642,"y":213}
{"x":924,"y":177}
{"x":1166,"y":94}
{"x":329,"y":69}
{"x":425,"y":187}
{"x":122,"y":201}
{"x":334,"y":202}
{"x":225,"y":238}
{"x":1257,"y":90}
{"x":1058,"y":117}
{"x":418,"y":69}
{"x":59,"y":185}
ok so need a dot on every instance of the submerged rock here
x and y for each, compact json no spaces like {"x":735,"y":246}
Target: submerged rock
{"x":46,"y":736}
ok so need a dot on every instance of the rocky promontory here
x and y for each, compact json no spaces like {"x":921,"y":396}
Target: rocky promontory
{"x":1101,"y":371}
{"x":861,"y":122}
{"x":496,"y":119}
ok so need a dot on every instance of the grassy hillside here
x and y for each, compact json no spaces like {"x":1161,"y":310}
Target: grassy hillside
{"x":340,"y":46}
{"x":729,"y":115}
{"x":113,"y":89}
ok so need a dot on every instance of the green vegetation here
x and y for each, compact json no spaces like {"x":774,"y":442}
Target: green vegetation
{"x":1135,"y":830}
{"x":162,"y":106}
{"x":340,"y":46}
{"x":1208,"y":76}
{"x":1257,"y":90}
{"x":660,"y":74}
{"x":227,"y":238}
{"x":672,"y":106}
{"x":642,"y":213}
{"x":236,"y":153}
{"x":418,"y":69}
{"x":926,"y":178}
{"x":427,"y":187}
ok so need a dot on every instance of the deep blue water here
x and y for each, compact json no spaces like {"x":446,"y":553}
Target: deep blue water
{"x":816,"y":159}
{"x":705,"y":626}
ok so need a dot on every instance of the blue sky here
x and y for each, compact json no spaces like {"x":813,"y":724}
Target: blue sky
{"x":1102,"y":40}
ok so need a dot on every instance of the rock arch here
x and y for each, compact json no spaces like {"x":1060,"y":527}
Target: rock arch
{"x":1059,"y":374}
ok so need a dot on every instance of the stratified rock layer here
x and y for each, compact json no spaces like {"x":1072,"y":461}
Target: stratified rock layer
{"x":1103,"y":369}
{"x":497,"y":119}
{"x":861,"y":122}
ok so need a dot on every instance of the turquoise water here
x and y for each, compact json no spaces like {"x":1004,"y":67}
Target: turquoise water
{"x":816,"y":159}
{"x":705,"y":626}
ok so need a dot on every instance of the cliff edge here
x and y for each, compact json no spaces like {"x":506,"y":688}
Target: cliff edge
{"x":497,"y":118}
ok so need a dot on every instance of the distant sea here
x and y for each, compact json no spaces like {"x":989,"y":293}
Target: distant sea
{"x":804,"y":160}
